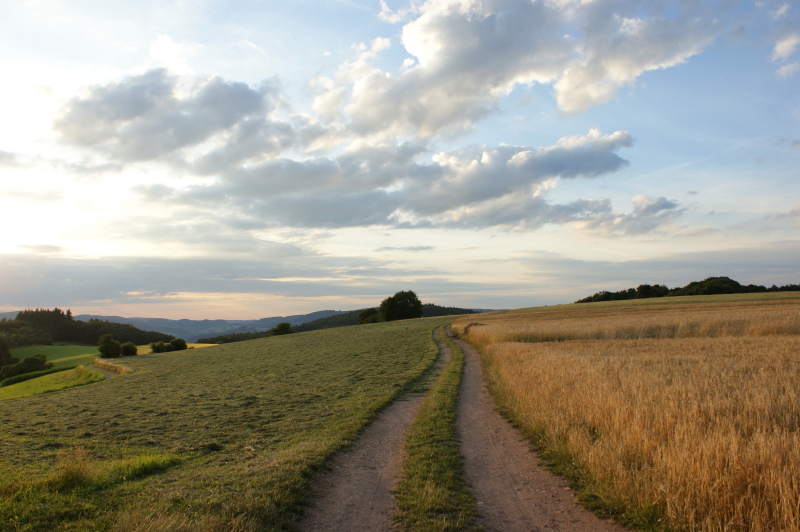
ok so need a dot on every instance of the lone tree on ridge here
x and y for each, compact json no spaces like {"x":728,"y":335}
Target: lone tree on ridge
{"x":401,"y":306}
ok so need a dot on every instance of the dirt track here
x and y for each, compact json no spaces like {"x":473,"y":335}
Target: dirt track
{"x":355,"y":493}
{"x":514,"y":492}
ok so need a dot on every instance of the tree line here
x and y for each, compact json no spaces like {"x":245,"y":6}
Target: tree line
{"x":709,"y":286}
{"x":283,"y":327}
{"x":44,"y":326}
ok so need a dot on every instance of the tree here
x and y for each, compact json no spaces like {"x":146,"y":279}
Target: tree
{"x":129,"y":349}
{"x":401,"y":306}
{"x":369,"y":315}
{"x":283,"y":327}
{"x":5,"y":354}
{"x":109,"y":347}
{"x":28,"y":365}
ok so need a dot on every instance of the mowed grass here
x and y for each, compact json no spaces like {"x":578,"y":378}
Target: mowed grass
{"x":243,"y":427}
{"x":681,"y":415}
{"x":50,"y":383}
{"x":145,"y":349}
{"x":54,"y":352}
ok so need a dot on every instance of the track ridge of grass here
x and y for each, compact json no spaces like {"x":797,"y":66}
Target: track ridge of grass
{"x":432,"y":495}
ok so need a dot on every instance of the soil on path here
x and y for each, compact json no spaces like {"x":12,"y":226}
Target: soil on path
{"x":354,"y":494}
{"x":514,"y":492}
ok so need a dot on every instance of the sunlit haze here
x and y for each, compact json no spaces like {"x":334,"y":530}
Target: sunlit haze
{"x":238,"y":160}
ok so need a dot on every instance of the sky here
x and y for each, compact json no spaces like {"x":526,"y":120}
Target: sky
{"x":238,"y":160}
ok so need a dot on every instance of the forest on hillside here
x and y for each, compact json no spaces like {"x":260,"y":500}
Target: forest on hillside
{"x":44,"y":326}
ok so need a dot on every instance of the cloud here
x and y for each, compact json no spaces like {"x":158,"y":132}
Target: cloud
{"x":408,"y":248}
{"x":618,"y":49}
{"x":42,"y":248}
{"x":467,"y":55}
{"x":385,"y":185}
{"x":787,"y":70}
{"x":8,"y":159}
{"x":147,"y":117}
{"x":785,"y":47}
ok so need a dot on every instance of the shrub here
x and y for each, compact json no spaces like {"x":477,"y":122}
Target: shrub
{"x":283,"y":327}
{"x":161,"y":347}
{"x":109,"y":347}
{"x":369,"y":315}
{"x":28,"y":376}
{"x":28,"y":365}
{"x":129,"y":349}
{"x":178,"y":344}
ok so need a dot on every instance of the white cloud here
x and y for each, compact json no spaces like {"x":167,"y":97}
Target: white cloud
{"x":785,"y":47}
{"x":781,"y":11}
{"x":617,"y":50}
{"x":468,"y":54}
{"x":787,"y":70}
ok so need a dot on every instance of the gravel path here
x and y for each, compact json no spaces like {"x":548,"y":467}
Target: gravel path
{"x":514,"y":492}
{"x":355,"y":493}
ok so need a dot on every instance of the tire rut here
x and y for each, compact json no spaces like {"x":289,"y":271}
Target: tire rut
{"x":355,"y":492}
{"x":513,"y":491}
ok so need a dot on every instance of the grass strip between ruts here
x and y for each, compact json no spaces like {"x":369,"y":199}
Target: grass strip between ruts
{"x":432,"y":496}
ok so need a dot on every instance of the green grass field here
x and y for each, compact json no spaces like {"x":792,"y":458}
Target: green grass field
{"x":54,"y":352}
{"x":50,"y":383}
{"x":235,"y":432}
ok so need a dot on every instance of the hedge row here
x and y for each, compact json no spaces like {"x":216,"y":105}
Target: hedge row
{"x":32,"y":375}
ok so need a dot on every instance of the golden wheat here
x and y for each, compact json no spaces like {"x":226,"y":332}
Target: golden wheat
{"x":110,"y":366}
{"x":693,"y":411}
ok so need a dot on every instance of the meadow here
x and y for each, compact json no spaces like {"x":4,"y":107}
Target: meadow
{"x":220,"y":438}
{"x":59,"y":355}
{"x":680,"y":414}
{"x":50,"y":383}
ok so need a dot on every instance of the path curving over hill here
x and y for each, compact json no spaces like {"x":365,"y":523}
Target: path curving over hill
{"x":513,"y":492}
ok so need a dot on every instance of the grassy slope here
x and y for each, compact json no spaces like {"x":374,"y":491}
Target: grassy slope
{"x":54,"y":352}
{"x":432,"y":496}
{"x":242,"y":426}
{"x":50,"y":383}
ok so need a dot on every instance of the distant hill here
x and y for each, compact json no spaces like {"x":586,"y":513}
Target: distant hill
{"x":429,"y":310}
{"x":9,"y":315}
{"x":709,"y":286}
{"x":192,"y":330}
{"x":342,"y":319}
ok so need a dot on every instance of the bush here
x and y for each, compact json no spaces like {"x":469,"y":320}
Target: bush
{"x":28,"y":365}
{"x":161,"y":347}
{"x":109,"y":347}
{"x":369,"y":315}
{"x":283,"y":327}
{"x":178,"y":344}
{"x":28,"y":376}
{"x":129,"y":349}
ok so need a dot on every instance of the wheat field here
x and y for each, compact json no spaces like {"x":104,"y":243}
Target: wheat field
{"x":682,"y":416}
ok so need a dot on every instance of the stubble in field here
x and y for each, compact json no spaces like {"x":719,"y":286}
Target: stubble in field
{"x":682,"y":416}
